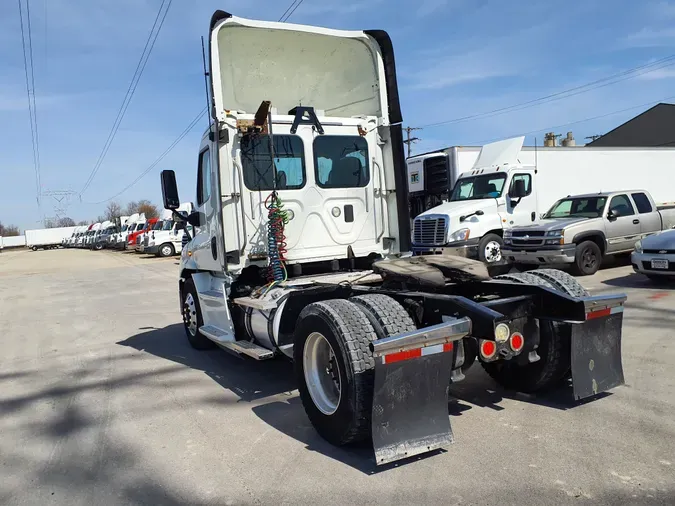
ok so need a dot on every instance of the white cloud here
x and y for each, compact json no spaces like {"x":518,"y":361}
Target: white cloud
{"x":663,"y":73}
{"x":650,"y":37}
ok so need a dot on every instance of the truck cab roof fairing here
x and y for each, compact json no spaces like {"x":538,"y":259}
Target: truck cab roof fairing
{"x":343,"y":73}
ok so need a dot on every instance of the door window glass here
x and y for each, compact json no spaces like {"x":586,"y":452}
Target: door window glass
{"x":341,"y":161}
{"x":620,"y":205}
{"x":289,"y":162}
{"x":527,"y":179}
{"x":204,"y":177}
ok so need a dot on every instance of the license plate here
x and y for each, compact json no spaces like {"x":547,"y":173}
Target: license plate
{"x":659,"y":264}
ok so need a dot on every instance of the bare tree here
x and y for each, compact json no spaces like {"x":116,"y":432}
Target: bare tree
{"x":9,"y":230}
{"x":132,"y":208}
{"x":83,"y":222}
{"x":66,"y":222}
{"x":113,"y":211}
{"x":49,"y":223}
{"x":148,"y":208}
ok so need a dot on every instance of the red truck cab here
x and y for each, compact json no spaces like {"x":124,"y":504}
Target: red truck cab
{"x":132,"y":239}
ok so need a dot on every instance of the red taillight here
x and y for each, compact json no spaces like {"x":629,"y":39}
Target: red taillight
{"x":517,"y":341}
{"x":488,"y":349}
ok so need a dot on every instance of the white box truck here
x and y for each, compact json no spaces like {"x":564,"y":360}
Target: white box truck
{"x":504,"y":185}
{"x":47,"y":238}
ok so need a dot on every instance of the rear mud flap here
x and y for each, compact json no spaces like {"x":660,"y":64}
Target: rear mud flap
{"x":410,"y":396}
{"x":596,"y":354}
{"x":410,"y":407}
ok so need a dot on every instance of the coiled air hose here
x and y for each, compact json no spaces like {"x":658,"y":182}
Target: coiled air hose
{"x":276,"y":240}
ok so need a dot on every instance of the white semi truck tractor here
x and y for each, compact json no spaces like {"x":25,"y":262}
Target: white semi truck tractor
{"x":301,"y":250}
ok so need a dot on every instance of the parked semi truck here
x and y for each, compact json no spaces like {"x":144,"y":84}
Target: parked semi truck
{"x":477,"y":193}
{"x":168,"y":240}
{"x":47,"y":238}
{"x":301,"y":250}
{"x":582,"y":230}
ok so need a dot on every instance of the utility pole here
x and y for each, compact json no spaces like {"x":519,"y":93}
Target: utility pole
{"x":410,"y":140}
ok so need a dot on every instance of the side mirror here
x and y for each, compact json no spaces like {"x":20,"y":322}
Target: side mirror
{"x":518,"y":190}
{"x":169,"y":190}
{"x":611,"y":215}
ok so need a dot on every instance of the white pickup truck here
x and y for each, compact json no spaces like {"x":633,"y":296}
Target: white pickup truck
{"x":583,"y":229}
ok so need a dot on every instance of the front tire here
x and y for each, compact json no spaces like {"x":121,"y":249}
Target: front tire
{"x":587,"y":258}
{"x":192,"y":318}
{"x":166,"y":250}
{"x":334,"y":368}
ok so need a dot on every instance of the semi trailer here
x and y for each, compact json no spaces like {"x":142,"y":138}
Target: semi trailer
{"x":47,"y":238}
{"x":464,"y":198}
{"x":301,"y":251}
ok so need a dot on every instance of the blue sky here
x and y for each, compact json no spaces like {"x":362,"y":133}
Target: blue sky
{"x":455,"y":58}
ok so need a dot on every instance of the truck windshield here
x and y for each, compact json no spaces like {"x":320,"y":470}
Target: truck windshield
{"x":289,"y":160}
{"x":158,"y":225}
{"x":168,"y":225}
{"x":486,"y":186}
{"x":140,"y":226}
{"x":124,"y":228}
{"x":578,"y":207}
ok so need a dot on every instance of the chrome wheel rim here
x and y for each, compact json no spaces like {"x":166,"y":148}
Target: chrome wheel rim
{"x":166,"y":251}
{"x":190,"y":314}
{"x":493,"y":252}
{"x":322,"y":374}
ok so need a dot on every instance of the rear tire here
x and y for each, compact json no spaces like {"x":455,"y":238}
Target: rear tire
{"x":386,"y":315}
{"x":554,"y":352}
{"x":587,"y":258}
{"x":342,"y":414}
{"x":563,"y":282}
{"x":192,"y":318}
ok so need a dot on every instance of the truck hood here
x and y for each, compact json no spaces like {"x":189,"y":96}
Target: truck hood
{"x":338,"y":72}
{"x":664,"y":240}
{"x":555,"y":224}
{"x":463,"y":207}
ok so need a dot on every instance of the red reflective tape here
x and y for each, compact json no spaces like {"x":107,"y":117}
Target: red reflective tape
{"x":598,"y":314}
{"x":447,"y":347}
{"x":402,"y":355}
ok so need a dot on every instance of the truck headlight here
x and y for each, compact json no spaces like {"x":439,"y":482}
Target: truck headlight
{"x":638,"y":247}
{"x":556,"y":237}
{"x":460,"y":235}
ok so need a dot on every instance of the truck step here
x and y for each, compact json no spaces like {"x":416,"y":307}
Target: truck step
{"x":260,"y":304}
{"x":215,"y":334}
{"x":250,"y":349}
{"x":226,"y":340}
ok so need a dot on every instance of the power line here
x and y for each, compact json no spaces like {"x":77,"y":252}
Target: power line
{"x":140,"y":67}
{"x":30,"y":92}
{"x":187,"y":130}
{"x":577,"y":90}
{"x":585,"y":120}
{"x":294,"y":5}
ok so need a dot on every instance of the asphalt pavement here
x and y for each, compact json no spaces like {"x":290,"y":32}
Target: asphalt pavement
{"x":102,"y":401}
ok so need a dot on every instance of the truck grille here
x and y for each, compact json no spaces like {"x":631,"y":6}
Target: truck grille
{"x":528,"y":237}
{"x":660,"y":251}
{"x":429,"y":231}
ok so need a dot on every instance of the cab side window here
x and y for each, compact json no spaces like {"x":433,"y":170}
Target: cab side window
{"x":620,"y":205}
{"x":204,"y":177}
{"x":527,"y":179}
{"x":642,"y":202}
